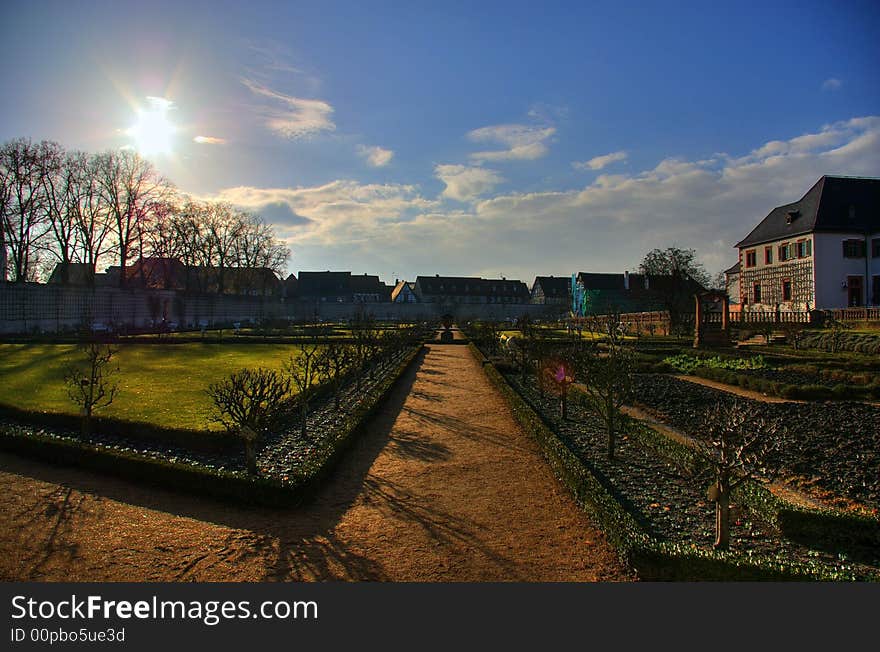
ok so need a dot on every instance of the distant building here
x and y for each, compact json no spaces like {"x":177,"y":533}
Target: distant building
{"x":323,"y":287}
{"x":822,"y":251}
{"x":342,"y":287}
{"x":595,"y":294}
{"x":457,"y":289}
{"x":551,"y":290}
{"x":404,"y":292}
{"x":78,"y":274}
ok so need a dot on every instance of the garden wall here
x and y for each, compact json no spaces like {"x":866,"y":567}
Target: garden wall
{"x":35,"y":308}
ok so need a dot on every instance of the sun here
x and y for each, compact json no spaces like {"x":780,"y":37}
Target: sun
{"x":153,"y":133}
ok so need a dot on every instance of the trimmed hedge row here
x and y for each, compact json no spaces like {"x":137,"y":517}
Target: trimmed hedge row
{"x":652,"y":559}
{"x":839,"y":392}
{"x":206,"y":441}
{"x":227,"y":485}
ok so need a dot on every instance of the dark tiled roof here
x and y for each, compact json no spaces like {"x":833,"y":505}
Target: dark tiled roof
{"x":593,"y":281}
{"x":553,"y":286}
{"x":366,"y":285}
{"x":472,"y":286}
{"x":842,"y":204}
{"x":733,"y":270}
{"x":313,"y":284}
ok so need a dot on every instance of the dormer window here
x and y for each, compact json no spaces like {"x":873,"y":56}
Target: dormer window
{"x":791,"y":216}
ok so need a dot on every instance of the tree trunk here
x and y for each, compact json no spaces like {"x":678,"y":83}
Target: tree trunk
{"x":722,"y":515}
{"x":563,"y":405}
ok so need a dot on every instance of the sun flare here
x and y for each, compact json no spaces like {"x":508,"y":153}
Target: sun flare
{"x":153,"y":132}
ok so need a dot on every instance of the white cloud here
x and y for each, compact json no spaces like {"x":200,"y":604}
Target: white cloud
{"x":831,"y":84}
{"x":466,"y":183}
{"x":607,"y":225}
{"x":599,"y":162}
{"x":209,"y":140}
{"x":292,"y":117}
{"x":376,"y":156}
{"x":523,"y":142}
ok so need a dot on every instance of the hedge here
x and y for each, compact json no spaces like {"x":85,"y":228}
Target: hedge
{"x":652,"y":559}
{"x":227,"y":485}
{"x":839,"y":392}
{"x":198,"y":440}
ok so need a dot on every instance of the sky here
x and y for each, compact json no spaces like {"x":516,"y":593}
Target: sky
{"x":484,"y":139}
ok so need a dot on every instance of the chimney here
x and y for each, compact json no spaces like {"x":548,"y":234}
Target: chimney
{"x":626,"y":280}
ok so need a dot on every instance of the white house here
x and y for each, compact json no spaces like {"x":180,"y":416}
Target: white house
{"x":820,"y":252}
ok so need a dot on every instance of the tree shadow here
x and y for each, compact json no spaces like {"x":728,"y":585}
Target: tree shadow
{"x":293,"y":544}
{"x":415,"y":446}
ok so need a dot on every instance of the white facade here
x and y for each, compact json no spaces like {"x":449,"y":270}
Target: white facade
{"x":843,"y":281}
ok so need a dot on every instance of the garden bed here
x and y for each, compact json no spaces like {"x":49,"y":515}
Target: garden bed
{"x":838,"y":444}
{"x":289,"y":466}
{"x":652,"y":510}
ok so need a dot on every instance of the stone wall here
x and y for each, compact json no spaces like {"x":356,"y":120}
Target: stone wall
{"x":36,"y":308}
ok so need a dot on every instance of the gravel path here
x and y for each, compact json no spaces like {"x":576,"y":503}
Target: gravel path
{"x":443,"y":487}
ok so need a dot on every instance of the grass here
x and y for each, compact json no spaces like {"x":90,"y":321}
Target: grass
{"x":163,"y":385}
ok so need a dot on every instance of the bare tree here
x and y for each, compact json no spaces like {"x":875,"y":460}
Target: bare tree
{"x":366,"y":342}
{"x":131,"y":188}
{"x":304,"y":371}
{"x":90,"y":385}
{"x":736,"y":445}
{"x":87,"y":211}
{"x":334,"y":362}
{"x":607,"y":380}
{"x":24,"y":220}
{"x":246,"y":403}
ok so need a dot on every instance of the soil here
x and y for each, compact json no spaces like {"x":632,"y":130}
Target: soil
{"x":443,"y":486}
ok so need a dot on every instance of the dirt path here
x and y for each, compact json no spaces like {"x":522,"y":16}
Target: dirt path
{"x":444,"y":486}
{"x":739,"y":391}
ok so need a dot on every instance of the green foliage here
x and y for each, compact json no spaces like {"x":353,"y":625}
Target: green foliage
{"x":834,"y":340}
{"x":686,"y":363}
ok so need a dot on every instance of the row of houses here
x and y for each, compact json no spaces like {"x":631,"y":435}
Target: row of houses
{"x":589,"y":291}
{"x":820,"y":252}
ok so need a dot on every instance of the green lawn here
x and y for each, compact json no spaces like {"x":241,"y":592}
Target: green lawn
{"x":160,"y":384}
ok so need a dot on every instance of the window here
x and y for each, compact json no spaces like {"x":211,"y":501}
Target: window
{"x":804,"y":248}
{"x":784,"y":252}
{"x":875,"y":248}
{"x":756,"y":293}
{"x":751,"y":258}
{"x":786,"y":289}
{"x":853,"y":248}
{"x":768,"y":255}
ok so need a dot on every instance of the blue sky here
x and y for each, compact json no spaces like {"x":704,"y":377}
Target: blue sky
{"x":467,"y":138}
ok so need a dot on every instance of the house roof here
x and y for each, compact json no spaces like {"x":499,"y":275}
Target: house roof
{"x":366,"y":285}
{"x":733,"y":270}
{"x":77,"y":274}
{"x":592,"y":281}
{"x":472,"y":286}
{"x":324,"y":283}
{"x":833,"y":204}
{"x":553,"y":286}
{"x":402,"y":286}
